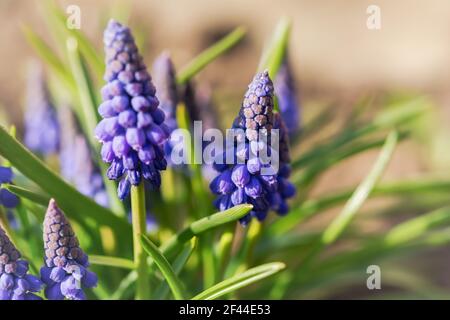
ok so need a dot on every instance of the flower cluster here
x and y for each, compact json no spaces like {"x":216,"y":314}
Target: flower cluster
{"x":285,"y":189}
{"x":76,"y":162}
{"x":65,"y":270}
{"x":244,"y":182}
{"x":41,"y":123}
{"x":7,"y":199}
{"x":287,"y":98}
{"x":15,"y":282}
{"x":133,"y":130}
{"x":164,"y":79}
{"x":200,"y":107}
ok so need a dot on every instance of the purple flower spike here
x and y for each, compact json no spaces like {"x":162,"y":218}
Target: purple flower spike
{"x":133,"y":130}
{"x":76,"y":161}
{"x":245,"y":182}
{"x":65,"y":272}
{"x":287,"y":98}
{"x":164,"y":78}
{"x":15,"y":282}
{"x":6,"y":174}
{"x":285,"y":189}
{"x":200,"y":106}
{"x":41,"y":122}
{"x":7,"y":199}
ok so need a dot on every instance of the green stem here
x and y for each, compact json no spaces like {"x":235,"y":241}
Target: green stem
{"x":139,"y":228}
{"x":225,"y":247}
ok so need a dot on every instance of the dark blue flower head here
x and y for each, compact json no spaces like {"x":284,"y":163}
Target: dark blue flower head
{"x":65,"y":272}
{"x":7,"y":199}
{"x":287,"y":98}
{"x":245,"y":182}
{"x":41,"y":123}
{"x":199,"y":104}
{"x":15,"y":282}
{"x":133,"y":130}
{"x":285,"y":189}
{"x":76,"y":160}
{"x":164,"y":79}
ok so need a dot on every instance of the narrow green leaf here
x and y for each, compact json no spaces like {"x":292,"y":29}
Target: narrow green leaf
{"x":352,"y":206}
{"x":111,"y":262}
{"x":413,"y":228}
{"x":86,"y":47}
{"x":75,"y":204}
{"x":408,"y":236}
{"x":273,"y":56}
{"x":210,"y":54}
{"x":164,"y":266}
{"x":241,"y":280}
{"x":317,"y":168}
{"x":361,"y":193}
{"x":33,"y":196}
{"x":181,"y":260}
{"x":85,"y":88}
{"x":50,"y":58}
{"x":398,"y":188}
{"x":198,"y":227}
{"x":394,"y":116}
{"x":125,"y":286}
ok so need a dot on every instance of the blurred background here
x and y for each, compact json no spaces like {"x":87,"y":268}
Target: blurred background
{"x":338,"y":62}
{"x":334,"y":55}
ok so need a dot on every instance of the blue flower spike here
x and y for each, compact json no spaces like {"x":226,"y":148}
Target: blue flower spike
{"x":40,"y":119}
{"x":287,"y":98}
{"x":164,"y":79}
{"x":65,"y":271}
{"x":76,"y":163}
{"x":15,"y":282}
{"x":246,"y":181}
{"x":7,"y":199}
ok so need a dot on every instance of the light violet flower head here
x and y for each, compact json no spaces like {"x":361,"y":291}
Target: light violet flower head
{"x":40,"y":119}
{"x":287,"y":98}
{"x":76,"y":161}
{"x":285,"y":189}
{"x":199,"y":105}
{"x":164,"y":79}
{"x":132,"y":131}
{"x":15,"y":282}
{"x":65,"y":271}
{"x":7,"y":199}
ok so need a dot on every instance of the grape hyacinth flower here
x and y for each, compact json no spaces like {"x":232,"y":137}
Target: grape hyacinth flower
{"x":76,"y":161}
{"x":132,"y":130}
{"x":285,"y":189}
{"x":198,"y":101}
{"x":15,"y":282}
{"x":65,"y":270}
{"x":287,"y":98}
{"x":88,"y":179}
{"x":7,"y":199}
{"x":164,"y":79}
{"x":244,"y":182}
{"x":41,"y":123}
